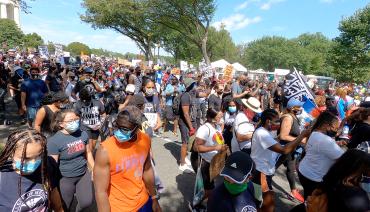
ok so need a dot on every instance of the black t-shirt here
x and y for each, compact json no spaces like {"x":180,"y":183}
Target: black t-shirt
{"x":189,"y":99}
{"x":54,"y":83}
{"x":71,"y":151}
{"x":359,"y":134}
{"x":32,"y":191}
{"x":221,"y":200}
{"x":215,"y":102}
{"x":90,"y":114}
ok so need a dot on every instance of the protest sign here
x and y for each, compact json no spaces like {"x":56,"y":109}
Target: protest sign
{"x":43,"y":51}
{"x":136,"y":62}
{"x":152,"y":119}
{"x":228,"y":73}
{"x":121,"y":61}
{"x":58,"y":49}
{"x":184,"y":65}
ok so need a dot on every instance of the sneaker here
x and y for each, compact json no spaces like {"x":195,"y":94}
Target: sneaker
{"x":185,"y":168}
{"x":295,"y":193}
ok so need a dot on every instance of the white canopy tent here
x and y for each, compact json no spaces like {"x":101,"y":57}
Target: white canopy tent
{"x":239,"y":67}
{"x":220,"y":64}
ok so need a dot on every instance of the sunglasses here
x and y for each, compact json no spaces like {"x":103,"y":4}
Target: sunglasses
{"x":124,"y":129}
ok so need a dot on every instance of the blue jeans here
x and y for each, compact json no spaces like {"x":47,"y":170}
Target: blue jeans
{"x":31,"y":113}
{"x":147,"y":207}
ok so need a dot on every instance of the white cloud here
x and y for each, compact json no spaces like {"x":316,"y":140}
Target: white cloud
{"x":267,"y":5}
{"x":236,"y":22}
{"x":245,"y":4}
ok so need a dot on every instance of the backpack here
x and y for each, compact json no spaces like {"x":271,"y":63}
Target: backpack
{"x":176,"y":104}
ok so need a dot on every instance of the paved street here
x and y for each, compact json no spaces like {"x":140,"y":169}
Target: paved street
{"x":178,"y":186}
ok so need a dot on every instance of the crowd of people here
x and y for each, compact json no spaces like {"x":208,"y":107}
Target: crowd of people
{"x":90,"y":128}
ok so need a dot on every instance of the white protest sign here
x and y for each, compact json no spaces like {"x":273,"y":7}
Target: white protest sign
{"x":152,"y":119}
{"x":136,"y":62}
{"x":58,"y":49}
{"x":66,"y":54}
{"x":43,"y":50}
{"x":184,"y":65}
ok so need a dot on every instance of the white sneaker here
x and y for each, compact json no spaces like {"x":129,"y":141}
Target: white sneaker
{"x":185,"y":168}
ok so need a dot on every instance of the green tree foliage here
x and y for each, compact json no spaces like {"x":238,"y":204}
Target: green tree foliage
{"x":10,"y":33}
{"x":221,"y":46}
{"x":106,"y":53}
{"x":128,"y":17}
{"x":75,"y":48}
{"x":351,"y":51}
{"x":33,"y":40}
{"x":191,"y":18}
{"x":315,"y":50}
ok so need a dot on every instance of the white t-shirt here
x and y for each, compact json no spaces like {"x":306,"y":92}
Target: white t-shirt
{"x":212,"y":137}
{"x":243,"y":127}
{"x":264,"y":158}
{"x":321,"y":153}
{"x":68,"y":91}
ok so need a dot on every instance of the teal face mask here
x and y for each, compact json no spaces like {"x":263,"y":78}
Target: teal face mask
{"x":232,"y":109}
{"x":235,"y":188}
{"x":28,"y":167}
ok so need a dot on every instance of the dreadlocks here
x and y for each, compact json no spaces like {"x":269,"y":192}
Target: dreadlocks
{"x":20,"y":139}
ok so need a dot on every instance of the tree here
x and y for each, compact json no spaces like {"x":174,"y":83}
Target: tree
{"x":10,"y":33}
{"x":76,"y":48}
{"x":315,"y":53}
{"x":269,"y":53}
{"x":33,"y":40}
{"x":128,"y":17}
{"x":191,"y":18}
{"x":221,"y":46}
{"x":351,"y":51}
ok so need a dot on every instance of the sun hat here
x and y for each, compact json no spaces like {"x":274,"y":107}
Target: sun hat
{"x":253,"y":104}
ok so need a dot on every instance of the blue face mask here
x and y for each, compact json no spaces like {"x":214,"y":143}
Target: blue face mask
{"x":232,"y":109}
{"x":73,"y":126}
{"x":28,"y":167}
{"x":123,"y":137}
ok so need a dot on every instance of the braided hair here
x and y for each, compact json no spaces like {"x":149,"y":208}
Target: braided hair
{"x":23,"y":138}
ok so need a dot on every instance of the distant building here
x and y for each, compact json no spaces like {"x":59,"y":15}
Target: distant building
{"x":10,"y":9}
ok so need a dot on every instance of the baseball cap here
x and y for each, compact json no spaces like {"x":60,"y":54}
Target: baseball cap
{"x":238,"y":167}
{"x":294,"y":103}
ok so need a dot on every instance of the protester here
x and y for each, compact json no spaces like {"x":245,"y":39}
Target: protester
{"x":86,"y":82}
{"x":187,"y":121}
{"x":360,"y":132}
{"x":228,"y":120}
{"x":237,"y":87}
{"x":15,"y":86}
{"x":72,"y":150}
{"x":152,"y":109}
{"x":46,"y":114}
{"x":289,"y":130}
{"x":215,"y":99}
{"x":123,"y":168}
{"x":171,"y":90}
{"x":32,"y":93}
{"x":208,"y":142}
{"x":264,"y":154}
{"x":91,"y":113}
{"x":237,"y":192}
{"x":53,"y":80}
{"x":243,"y":126}
{"x":29,"y":179}
{"x":321,"y":152}
{"x":344,"y":188}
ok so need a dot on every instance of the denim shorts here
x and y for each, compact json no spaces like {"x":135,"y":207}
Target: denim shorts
{"x":31,"y":113}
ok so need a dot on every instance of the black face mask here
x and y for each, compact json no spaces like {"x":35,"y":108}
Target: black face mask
{"x":331,"y":133}
{"x":34,"y":76}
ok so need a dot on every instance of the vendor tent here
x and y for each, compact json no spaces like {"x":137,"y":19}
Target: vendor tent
{"x":239,"y":67}
{"x":220,"y":64}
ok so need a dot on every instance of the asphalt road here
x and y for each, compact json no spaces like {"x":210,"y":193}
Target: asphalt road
{"x":178,"y":186}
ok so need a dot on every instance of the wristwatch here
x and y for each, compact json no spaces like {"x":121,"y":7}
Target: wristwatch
{"x":157,"y":197}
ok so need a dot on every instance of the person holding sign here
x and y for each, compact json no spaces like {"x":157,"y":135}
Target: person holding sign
{"x":152,"y":108}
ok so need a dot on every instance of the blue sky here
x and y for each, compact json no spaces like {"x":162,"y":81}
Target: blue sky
{"x":58,"y":20}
